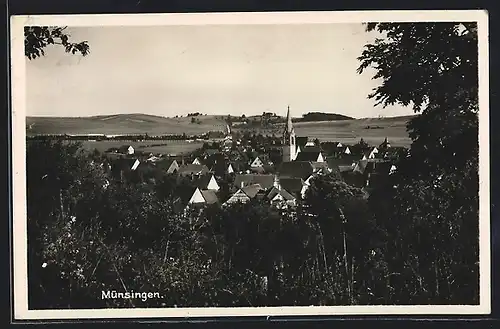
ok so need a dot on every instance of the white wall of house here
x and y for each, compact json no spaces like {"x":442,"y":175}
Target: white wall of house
{"x":297,"y":151}
{"x":320,"y":158}
{"x":196,"y":161}
{"x":239,"y":196}
{"x":347,"y":150}
{"x":277,"y":197}
{"x":130,"y":150}
{"x":308,"y":180}
{"x":256,"y":163}
{"x":230,"y":169}
{"x":212,"y":184}
{"x":197,"y":197}
{"x":174,"y":166}
{"x":135,"y":165}
{"x":303,"y":191}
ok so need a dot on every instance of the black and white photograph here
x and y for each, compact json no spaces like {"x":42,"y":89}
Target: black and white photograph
{"x":240,"y":164}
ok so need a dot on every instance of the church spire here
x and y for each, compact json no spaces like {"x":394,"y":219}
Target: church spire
{"x":289,"y":126}
{"x":289,"y":147}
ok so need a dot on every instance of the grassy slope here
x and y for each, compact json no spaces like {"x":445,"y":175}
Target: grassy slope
{"x":346,"y":131}
{"x":351,"y":131}
{"x":122,"y":124}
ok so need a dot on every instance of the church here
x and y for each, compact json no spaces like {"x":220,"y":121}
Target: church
{"x":289,"y":139}
{"x":291,"y":152}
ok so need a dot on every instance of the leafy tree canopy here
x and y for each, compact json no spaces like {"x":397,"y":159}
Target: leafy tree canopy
{"x":37,"y":38}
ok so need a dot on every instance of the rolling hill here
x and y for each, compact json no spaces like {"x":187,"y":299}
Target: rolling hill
{"x":372,"y":130}
{"x":122,"y":124}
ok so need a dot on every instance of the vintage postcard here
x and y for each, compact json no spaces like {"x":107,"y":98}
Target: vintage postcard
{"x":250,"y":164}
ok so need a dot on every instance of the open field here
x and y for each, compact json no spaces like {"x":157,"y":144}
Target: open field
{"x":372,"y":130}
{"x":345,"y":131}
{"x":351,"y":131}
{"x":123,"y":124}
{"x":148,"y":146}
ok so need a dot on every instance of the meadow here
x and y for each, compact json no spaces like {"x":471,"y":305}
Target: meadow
{"x":372,"y":130}
{"x":175,"y":147}
{"x":123,"y":124}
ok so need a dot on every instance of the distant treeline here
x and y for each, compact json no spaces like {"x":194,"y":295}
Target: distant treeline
{"x":132,"y":137}
{"x":318,"y":116}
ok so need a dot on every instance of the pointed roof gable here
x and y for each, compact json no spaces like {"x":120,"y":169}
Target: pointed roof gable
{"x":345,"y":163}
{"x":320,"y":165}
{"x":286,"y":195}
{"x":265,"y":181}
{"x":308,"y":156}
{"x":165,"y":163}
{"x":125,"y":164}
{"x":193,"y":169}
{"x":202,"y":181}
{"x":196,"y":197}
{"x":252,"y":190}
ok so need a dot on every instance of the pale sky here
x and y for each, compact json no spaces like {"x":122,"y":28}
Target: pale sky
{"x":175,"y":70}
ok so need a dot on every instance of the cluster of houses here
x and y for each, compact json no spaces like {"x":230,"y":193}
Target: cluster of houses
{"x":222,"y":176}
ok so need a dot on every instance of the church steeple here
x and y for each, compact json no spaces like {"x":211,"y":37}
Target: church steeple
{"x":289,"y":147}
{"x":288,"y":126}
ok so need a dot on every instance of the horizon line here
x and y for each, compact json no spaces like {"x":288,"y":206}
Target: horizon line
{"x":214,"y":115}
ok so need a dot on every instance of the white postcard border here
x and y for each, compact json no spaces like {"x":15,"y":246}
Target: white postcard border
{"x":18,"y":137}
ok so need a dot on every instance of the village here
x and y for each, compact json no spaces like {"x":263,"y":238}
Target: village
{"x":240,"y":169}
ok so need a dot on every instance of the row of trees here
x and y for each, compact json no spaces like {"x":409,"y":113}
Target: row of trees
{"x":413,"y":241}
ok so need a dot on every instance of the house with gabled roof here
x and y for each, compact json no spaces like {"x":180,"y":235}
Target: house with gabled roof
{"x":196,"y":161}
{"x":280,"y":198}
{"x":120,"y":166}
{"x":345,"y":162}
{"x":258,"y":162}
{"x":206,"y":182}
{"x":193,"y":169}
{"x":265,"y":181}
{"x":203,"y":197}
{"x":126,"y":149}
{"x":312,"y":154}
{"x":368,"y":155}
{"x":293,"y":185}
{"x":296,"y":169}
{"x":169,"y":165}
{"x":244,"y":194}
{"x":329,"y":148}
{"x":321,"y":168}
